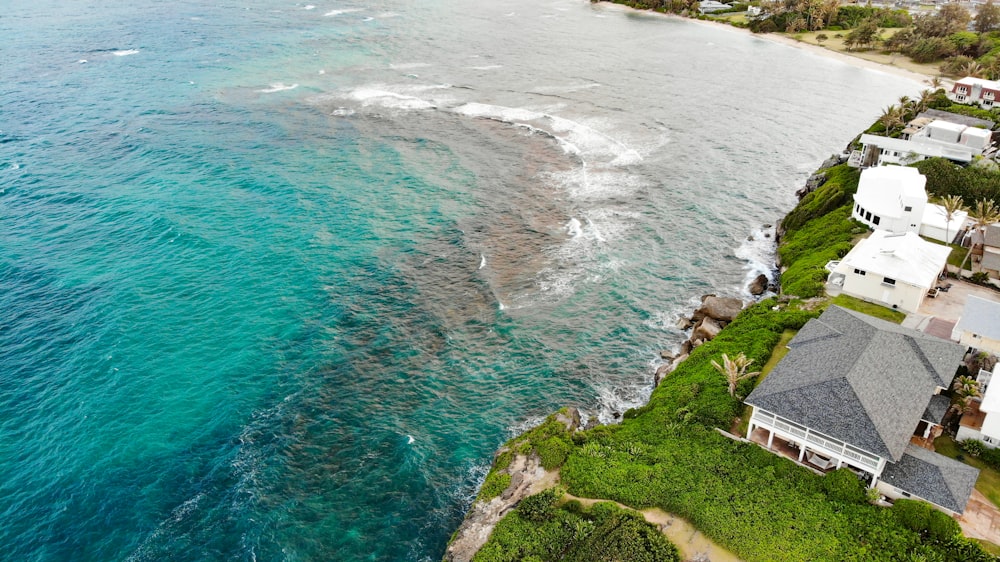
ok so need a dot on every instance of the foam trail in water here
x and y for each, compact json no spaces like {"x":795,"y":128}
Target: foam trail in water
{"x":482,"y":261}
{"x":278,"y":87}
{"x":125,"y":52}
{"x":758,"y":250}
{"x":333,"y":13}
{"x":574,"y":228}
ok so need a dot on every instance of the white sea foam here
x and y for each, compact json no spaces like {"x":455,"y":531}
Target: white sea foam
{"x":574,"y":228}
{"x":482,"y":261}
{"x":278,"y":87}
{"x":125,"y":52}
{"x":334,"y":13}
{"x":486,"y":67}
{"x":368,"y":18}
{"x":384,"y":98}
{"x":309,"y":7}
{"x":342,"y":112}
{"x":758,"y":251}
{"x":82,"y":61}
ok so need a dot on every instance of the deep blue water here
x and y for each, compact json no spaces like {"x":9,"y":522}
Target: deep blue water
{"x":276,"y":279}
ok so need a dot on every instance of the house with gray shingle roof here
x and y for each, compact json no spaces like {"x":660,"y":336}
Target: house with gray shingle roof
{"x":979,"y":325}
{"x":852,"y":392}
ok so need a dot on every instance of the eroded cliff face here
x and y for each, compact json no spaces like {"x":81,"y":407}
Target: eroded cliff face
{"x":527,"y":477}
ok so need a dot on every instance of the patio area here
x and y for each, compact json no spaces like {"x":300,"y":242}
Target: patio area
{"x":948,"y":305}
{"x":789,"y":450}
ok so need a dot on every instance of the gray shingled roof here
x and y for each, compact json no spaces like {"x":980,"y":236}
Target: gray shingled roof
{"x":936,"y":409}
{"x":956,"y":118}
{"x":933,"y":477}
{"x":858,"y":379}
{"x":981,"y":317}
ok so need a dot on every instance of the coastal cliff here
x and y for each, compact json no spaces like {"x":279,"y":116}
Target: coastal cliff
{"x":675,"y":454}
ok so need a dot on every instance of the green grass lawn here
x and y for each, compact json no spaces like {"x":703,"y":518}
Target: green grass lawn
{"x":871,"y":309}
{"x":989,"y":479}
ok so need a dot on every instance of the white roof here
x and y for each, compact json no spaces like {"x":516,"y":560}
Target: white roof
{"x":977,"y":132}
{"x":991,"y":400}
{"x":929,"y":148}
{"x":980,"y":317}
{"x":946,"y":125}
{"x":969,"y":80}
{"x":881,"y":189}
{"x":934,"y":216}
{"x":904,"y":257}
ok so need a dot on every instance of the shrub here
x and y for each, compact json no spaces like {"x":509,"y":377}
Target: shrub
{"x":553,"y":452}
{"x":923,"y":518}
{"x":493,"y":486}
{"x":844,"y":486}
{"x":539,"y":507}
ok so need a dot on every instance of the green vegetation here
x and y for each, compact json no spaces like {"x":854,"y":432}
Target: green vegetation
{"x":971,"y":183}
{"x":871,"y":309}
{"x":540,"y":531}
{"x":668,"y":454}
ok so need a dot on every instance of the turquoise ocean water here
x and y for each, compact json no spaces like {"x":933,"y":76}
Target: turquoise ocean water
{"x":276,"y":278}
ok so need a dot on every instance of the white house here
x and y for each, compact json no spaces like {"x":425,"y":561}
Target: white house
{"x":891,"y":198}
{"x":853,"y":391}
{"x":979,"y":327}
{"x":935,"y":224}
{"x":976,"y":90}
{"x":983,"y":423}
{"x":991,"y":251}
{"x":894,"y":270}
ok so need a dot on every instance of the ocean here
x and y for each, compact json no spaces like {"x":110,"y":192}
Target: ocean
{"x":277,"y":278}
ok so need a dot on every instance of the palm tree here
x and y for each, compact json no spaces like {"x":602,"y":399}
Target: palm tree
{"x":936,"y":83}
{"x":891,"y":118}
{"x":966,"y":389}
{"x":734,"y":370}
{"x":926,"y":96}
{"x":952,"y":205}
{"x":973,"y":69}
{"x":984,"y":214}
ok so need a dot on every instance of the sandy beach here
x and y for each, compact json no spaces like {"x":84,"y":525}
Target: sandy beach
{"x":921,"y":78}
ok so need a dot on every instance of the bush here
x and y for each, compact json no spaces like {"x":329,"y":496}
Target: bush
{"x":923,"y":518}
{"x":844,"y":486}
{"x":493,"y":486}
{"x":539,"y":507}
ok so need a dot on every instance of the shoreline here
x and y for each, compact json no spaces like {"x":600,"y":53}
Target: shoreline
{"x":781,"y":39}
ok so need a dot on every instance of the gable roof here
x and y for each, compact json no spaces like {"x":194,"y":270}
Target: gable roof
{"x":858,"y":379}
{"x":903,"y":257}
{"x":981,"y":317}
{"x":933,"y":477}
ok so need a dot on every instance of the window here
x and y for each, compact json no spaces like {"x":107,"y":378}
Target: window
{"x":907,"y":209}
{"x":888,"y":281}
{"x":859,"y":272}
{"x":868,"y":216}
{"x":876,"y":218}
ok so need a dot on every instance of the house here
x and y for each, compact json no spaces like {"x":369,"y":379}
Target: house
{"x":711,"y":6}
{"x":894,"y":270}
{"x":976,"y":90}
{"x":852,"y":392}
{"x":932,"y":134}
{"x":891,"y":198}
{"x":935,"y":224}
{"x":979,"y":327}
{"x":991,"y":251}
{"x":983,"y":422}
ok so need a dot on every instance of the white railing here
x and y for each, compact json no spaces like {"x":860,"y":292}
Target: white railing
{"x":831,"y":446}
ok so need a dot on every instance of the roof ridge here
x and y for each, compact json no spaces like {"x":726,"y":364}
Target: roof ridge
{"x":923,"y":357}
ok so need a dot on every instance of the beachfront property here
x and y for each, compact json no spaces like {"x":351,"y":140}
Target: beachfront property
{"x":990,"y":262}
{"x":891,"y":198}
{"x":859,"y":392}
{"x":711,"y":6}
{"x":979,"y":327}
{"x":976,"y":90}
{"x":982,"y":422}
{"x":894,"y":270}
{"x":932,"y":134}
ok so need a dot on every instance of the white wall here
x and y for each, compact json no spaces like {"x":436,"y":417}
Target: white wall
{"x":869,"y":287}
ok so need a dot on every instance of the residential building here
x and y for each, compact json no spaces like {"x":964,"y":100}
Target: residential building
{"x":991,"y":251}
{"x":894,"y":270}
{"x":891,"y":198}
{"x":855,"y":391}
{"x":935,"y":224}
{"x":983,"y":422}
{"x":976,"y":90}
{"x":932,"y":134}
{"x":979,"y":327}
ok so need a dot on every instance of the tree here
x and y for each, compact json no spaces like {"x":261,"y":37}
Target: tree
{"x":734,"y":370}
{"x":891,"y":118}
{"x":988,"y":17}
{"x":924,"y":101}
{"x":952,"y":204}
{"x":864,"y":35}
{"x":973,"y":69}
{"x":983,"y":214}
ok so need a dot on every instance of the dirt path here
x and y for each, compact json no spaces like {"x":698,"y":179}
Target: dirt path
{"x":694,"y":546}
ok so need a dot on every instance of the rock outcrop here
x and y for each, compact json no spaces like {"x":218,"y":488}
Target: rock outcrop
{"x":527,"y":477}
{"x":758,"y":285}
{"x":706,"y":322}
